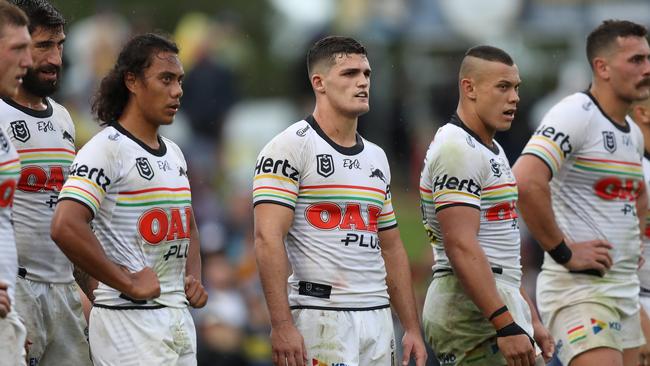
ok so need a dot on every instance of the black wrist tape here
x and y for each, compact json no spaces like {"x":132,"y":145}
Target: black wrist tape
{"x":513,"y":329}
{"x":498,"y":312}
{"x":561,"y":253}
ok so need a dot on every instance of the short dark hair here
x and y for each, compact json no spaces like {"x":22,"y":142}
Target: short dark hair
{"x":607,"y":33}
{"x":490,"y":53}
{"x":136,"y":56}
{"x":41,"y":13}
{"x":328,"y":47}
{"x":10,"y":14}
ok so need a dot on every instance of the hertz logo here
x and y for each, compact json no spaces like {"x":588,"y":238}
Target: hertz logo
{"x":453,"y":183}
{"x":549,"y":132}
{"x":268,"y":165}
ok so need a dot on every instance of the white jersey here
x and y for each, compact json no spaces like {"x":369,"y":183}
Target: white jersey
{"x":341,"y":199}
{"x":644,"y":272}
{"x":141,"y":205}
{"x":9,"y":175}
{"x":45,"y":143}
{"x":597,"y":176}
{"x":459,"y":170}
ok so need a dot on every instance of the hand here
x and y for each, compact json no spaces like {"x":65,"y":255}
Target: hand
{"x":5,"y":302}
{"x":592,"y":254}
{"x":287,"y":345}
{"x":644,"y":354}
{"x":641,"y":262}
{"x":195,"y":293}
{"x":412,"y":344}
{"x":544,"y":340}
{"x":517,"y":350}
{"x":144,"y":284}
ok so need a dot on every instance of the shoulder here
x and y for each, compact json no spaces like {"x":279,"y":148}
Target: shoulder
{"x":60,"y":113}
{"x":172,"y":146}
{"x":293,"y":137}
{"x":577,"y":105}
{"x":453,"y":141}
{"x":108,"y":140}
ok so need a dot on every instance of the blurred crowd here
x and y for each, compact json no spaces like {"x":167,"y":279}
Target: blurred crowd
{"x":246,"y":81}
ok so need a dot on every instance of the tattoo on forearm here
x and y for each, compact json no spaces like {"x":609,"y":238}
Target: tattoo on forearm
{"x":85,"y":282}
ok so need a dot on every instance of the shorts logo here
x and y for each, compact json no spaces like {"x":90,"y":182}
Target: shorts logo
{"x":609,"y":141}
{"x":324,"y":165}
{"x":144,"y":168}
{"x":598,"y":325}
{"x":577,"y":334}
{"x":4,"y":143}
{"x":447,"y":358}
{"x":20,"y":131}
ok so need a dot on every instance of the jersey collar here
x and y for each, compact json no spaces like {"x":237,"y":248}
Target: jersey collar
{"x":45,"y":113}
{"x":455,"y":120}
{"x":352,"y":150}
{"x":161,"y":151}
{"x":625,"y":128}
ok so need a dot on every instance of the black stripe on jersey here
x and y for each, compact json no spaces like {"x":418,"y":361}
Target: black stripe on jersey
{"x":46,"y":113}
{"x":276,"y":203}
{"x":625,"y":128}
{"x":458,"y":204}
{"x":129,"y":307}
{"x":92,"y":214}
{"x":388,"y":227}
{"x":352,"y":150}
{"x":295,"y":307}
{"x":543,"y":161}
{"x":161,"y":151}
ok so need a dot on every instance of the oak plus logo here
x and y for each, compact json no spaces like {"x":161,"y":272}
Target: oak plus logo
{"x":324,"y":165}
{"x":144,"y":168}
{"x":614,"y":188}
{"x":157,"y":225}
{"x":20,"y":130}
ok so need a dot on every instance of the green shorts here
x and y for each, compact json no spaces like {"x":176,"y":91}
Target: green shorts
{"x":457,"y":330}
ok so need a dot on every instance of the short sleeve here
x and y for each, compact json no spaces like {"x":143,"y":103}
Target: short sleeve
{"x":560,"y":133}
{"x":455,"y":172}
{"x":277,"y":173}
{"x":387,"y":218}
{"x":91,"y":174}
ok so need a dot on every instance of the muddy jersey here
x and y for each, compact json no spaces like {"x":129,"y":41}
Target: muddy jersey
{"x":644,"y":272}
{"x":341,"y":199}
{"x":597,"y":177}
{"x":459,"y":170}
{"x":9,"y":175}
{"x":45,"y":143}
{"x":141,"y":205}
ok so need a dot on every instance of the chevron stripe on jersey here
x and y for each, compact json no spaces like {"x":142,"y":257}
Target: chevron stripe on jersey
{"x":593,"y":192}
{"x":9,"y":175}
{"x":341,"y":199}
{"x":45,"y":142}
{"x":460,"y":171}
{"x":142,"y":207}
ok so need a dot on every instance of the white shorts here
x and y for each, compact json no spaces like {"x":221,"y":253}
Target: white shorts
{"x":144,"y":337}
{"x":12,"y":341}
{"x":458,"y":331}
{"x":351,"y":338}
{"x":585,"y":326}
{"x":55,"y":324}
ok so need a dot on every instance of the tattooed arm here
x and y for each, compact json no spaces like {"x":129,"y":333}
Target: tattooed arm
{"x":85,"y":282}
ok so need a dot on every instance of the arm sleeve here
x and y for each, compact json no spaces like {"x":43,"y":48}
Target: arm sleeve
{"x":277,"y":173}
{"x":91,"y":174}
{"x":387,"y":218}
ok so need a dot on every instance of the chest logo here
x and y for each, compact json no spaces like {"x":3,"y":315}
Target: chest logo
{"x":609,"y":141}
{"x":144,"y":168}
{"x":496,"y":168}
{"x":376,"y":173}
{"x":324,"y":165}
{"x":4,"y":143}
{"x":20,"y":131}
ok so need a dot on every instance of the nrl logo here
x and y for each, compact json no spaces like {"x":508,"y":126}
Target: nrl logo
{"x":324,"y":165}
{"x":496,"y":168}
{"x":609,"y":141}
{"x":144,"y":168}
{"x":20,"y":130}
{"x":4,"y":143}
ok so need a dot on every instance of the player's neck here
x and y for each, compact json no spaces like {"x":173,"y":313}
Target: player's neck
{"x":342,"y":130}
{"x":29,"y":100}
{"x":134,"y":122}
{"x":612,"y":105}
{"x":473,"y":121}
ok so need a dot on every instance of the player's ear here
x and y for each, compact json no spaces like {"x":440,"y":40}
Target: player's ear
{"x":317,"y":82}
{"x":468,"y":88}
{"x":129,"y":81}
{"x":642,"y":115}
{"x":601,"y":68}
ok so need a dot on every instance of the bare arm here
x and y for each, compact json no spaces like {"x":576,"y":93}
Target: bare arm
{"x":86,"y":283}
{"x":533,"y":177}
{"x":71,"y":232}
{"x":272,"y":224}
{"x":400,"y":289}
{"x":541,"y":335}
{"x":194,"y":290}
{"x":460,"y":226}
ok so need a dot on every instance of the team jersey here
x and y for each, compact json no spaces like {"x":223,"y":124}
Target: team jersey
{"x":140,"y":200}
{"x":597,"y":176}
{"x":45,"y":143}
{"x":459,"y":170}
{"x":341,"y":199}
{"x":9,"y":176}
{"x":644,"y":272}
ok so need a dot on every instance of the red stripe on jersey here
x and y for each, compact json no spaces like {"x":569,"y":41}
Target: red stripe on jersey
{"x":157,"y":190}
{"x":343,"y":186}
{"x":276,"y":189}
{"x":609,"y":161}
{"x":48,"y":150}
{"x":9,"y":162}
